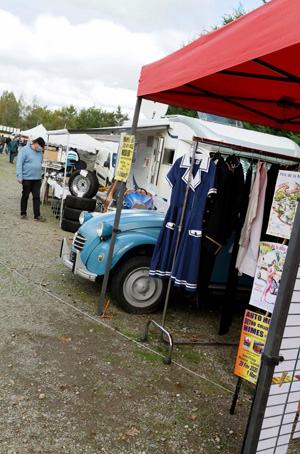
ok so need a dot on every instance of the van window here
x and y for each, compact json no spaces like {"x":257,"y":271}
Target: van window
{"x":168,"y":156}
{"x":114,"y":159}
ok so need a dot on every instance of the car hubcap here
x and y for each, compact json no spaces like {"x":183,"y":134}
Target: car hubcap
{"x":141,"y":290}
{"x":80,"y":185}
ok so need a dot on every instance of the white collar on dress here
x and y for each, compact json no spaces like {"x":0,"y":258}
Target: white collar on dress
{"x":203,"y":167}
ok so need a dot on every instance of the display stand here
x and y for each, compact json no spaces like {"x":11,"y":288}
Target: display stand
{"x":60,"y":132}
{"x":163,"y":331}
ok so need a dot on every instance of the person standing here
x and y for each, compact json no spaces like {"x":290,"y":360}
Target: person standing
{"x":2,"y":143}
{"x":13,"y":149}
{"x":29,"y":174}
{"x":7,"y":140}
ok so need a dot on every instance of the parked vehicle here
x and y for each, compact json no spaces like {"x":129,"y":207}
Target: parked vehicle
{"x":160,"y":141}
{"x":158,"y":144}
{"x":135,"y":241}
{"x":106,"y":162}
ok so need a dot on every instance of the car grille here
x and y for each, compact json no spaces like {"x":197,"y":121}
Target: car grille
{"x":78,"y":241}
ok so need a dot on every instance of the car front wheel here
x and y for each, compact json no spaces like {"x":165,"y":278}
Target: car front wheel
{"x":134,"y":290}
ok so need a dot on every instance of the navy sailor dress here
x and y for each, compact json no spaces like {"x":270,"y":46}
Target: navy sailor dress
{"x":186,"y":266}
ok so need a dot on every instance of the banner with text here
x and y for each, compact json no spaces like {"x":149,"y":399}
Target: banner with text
{"x":252,"y":341}
{"x":125,"y":158}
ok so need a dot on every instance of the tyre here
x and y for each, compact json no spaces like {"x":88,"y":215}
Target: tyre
{"x":135,"y":291}
{"x":81,"y":203}
{"x":69,"y":226}
{"x":83,"y":183}
{"x":72,"y":213}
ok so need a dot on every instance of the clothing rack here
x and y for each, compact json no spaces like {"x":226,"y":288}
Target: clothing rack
{"x":247,"y":152}
{"x":163,"y":331}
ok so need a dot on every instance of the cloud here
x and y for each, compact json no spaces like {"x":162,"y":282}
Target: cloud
{"x":52,"y":58}
{"x":90,"y":52}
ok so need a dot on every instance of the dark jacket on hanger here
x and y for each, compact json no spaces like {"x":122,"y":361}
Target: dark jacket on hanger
{"x":224,"y":213}
{"x":220,"y":220}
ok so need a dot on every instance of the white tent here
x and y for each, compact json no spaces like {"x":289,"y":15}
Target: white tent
{"x":34,"y":133}
{"x":82,"y":142}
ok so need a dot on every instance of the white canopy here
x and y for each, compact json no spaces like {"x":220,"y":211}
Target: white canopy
{"x":34,"y":133}
{"x":82,"y":142}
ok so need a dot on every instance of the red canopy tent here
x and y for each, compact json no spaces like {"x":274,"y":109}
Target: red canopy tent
{"x":247,"y":70}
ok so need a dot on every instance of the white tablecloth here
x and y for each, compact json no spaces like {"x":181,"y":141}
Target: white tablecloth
{"x":58,"y":189}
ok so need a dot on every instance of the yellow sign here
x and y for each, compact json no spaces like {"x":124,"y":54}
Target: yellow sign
{"x":125,"y":158}
{"x":252,"y":341}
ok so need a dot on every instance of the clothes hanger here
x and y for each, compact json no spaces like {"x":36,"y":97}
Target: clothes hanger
{"x":216,"y":156}
{"x":233,"y":160}
{"x":200,"y":152}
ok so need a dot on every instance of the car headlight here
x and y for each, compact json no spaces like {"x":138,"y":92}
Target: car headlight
{"x":84,"y":216}
{"x":104,"y":230}
{"x":100,"y":229}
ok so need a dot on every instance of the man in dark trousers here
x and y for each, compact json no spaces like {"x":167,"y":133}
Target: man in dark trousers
{"x":13,"y":150}
{"x":29,"y":174}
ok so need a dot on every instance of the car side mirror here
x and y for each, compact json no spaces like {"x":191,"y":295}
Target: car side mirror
{"x":106,"y":164}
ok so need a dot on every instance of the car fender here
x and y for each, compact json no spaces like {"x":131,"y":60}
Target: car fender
{"x":96,"y":262}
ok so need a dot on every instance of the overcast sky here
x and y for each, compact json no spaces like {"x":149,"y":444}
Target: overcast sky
{"x":90,"y":52}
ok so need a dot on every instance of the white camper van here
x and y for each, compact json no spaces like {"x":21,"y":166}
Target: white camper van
{"x":106,"y":162}
{"x":159,"y":142}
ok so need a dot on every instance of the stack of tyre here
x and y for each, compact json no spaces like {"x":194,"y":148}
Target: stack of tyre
{"x":83,"y":185}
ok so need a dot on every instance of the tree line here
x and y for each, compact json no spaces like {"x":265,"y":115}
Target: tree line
{"x":18,"y":113}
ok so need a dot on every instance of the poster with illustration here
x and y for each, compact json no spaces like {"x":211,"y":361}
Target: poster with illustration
{"x":268,"y":274}
{"x":252,"y":341}
{"x":284,"y":205}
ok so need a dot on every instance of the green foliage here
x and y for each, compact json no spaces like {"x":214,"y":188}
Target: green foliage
{"x":237,"y":13}
{"x":172,"y":110}
{"x":276,"y":132}
{"x":9,"y":109}
{"x":25,"y":115}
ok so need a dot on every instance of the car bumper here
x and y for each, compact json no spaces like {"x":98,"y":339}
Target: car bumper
{"x":75,"y":264}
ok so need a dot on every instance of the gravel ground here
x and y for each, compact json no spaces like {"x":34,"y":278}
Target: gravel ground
{"x":71,"y":382}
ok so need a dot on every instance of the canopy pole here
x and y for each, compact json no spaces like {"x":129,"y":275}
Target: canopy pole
{"x":45,"y":168}
{"x":117,"y":215}
{"x":272,"y":347}
{"x":64,"y":183}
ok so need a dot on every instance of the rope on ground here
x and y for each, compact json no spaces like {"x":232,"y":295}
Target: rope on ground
{"x":97,"y":320}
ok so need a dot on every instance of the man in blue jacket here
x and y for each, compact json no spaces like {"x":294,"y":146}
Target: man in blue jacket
{"x":29,"y":174}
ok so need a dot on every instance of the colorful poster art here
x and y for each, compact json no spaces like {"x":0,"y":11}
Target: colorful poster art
{"x":268,"y":275}
{"x":287,"y":191}
{"x":252,"y":341}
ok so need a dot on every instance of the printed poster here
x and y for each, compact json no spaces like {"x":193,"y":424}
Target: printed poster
{"x":125,"y":158}
{"x":284,"y":204}
{"x":252,"y":342}
{"x":268,"y":275}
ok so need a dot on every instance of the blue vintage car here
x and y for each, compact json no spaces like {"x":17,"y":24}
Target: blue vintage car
{"x":135,"y":241}
{"x":138,"y":231}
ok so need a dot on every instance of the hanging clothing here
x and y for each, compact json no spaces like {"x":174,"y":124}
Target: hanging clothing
{"x":220,"y":222}
{"x":186,"y":265}
{"x":229,"y":301}
{"x":224,"y":213}
{"x":250,"y":236}
{"x":272,"y":178}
